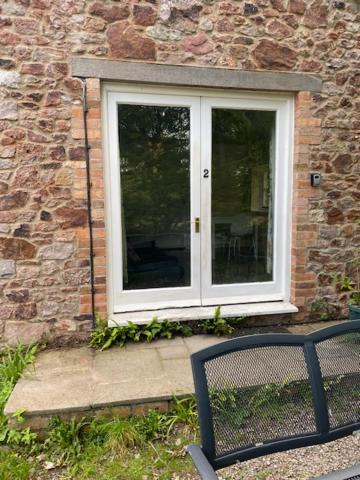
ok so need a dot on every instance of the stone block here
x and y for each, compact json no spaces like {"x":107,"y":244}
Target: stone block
{"x":8,"y":111}
{"x":125,"y":42}
{"x":7,"y":268}
{"x":144,"y":408}
{"x":56,"y":251}
{"x":121,"y":411}
{"x":16,"y":249}
{"x":25,"y":332}
{"x":9,"y":79}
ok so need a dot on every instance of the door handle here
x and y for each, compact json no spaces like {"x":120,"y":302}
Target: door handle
{"x":197,"y":225}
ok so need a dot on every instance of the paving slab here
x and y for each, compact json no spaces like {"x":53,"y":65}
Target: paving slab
{"x":82,"y":380}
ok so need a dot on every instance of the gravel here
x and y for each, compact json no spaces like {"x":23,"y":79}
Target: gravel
{"x":301,"y":464}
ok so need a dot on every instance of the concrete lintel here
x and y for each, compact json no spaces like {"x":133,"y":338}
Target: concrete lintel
{"x":183,"y":75}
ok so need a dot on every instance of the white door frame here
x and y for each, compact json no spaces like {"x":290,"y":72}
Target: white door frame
{"x":132,"y":300}
{"x":120,"y":300}
{"x":256,"y":291}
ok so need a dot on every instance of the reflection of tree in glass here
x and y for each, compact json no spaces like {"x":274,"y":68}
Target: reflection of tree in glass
{"x":241,"y":140}
{"x":155,"y":164}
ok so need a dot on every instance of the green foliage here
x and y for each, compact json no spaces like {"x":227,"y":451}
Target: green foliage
{"x":184,"y":413}
{"x":24,"y":437}
{"x":218,"y":325}
{"x":13,"y":467}
{"x":68,"y":441}
{"x":350,"y":283}
{"x":13,"y":362}
{"x":103,"y":336}
{"x":332,"y":384}
{"x":355,"y":299}
{"x":271,"y":401}
{"x":64,"y":441}
{"x":322,"y":309}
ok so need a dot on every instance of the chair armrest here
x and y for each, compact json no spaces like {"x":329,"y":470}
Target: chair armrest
{"x":348,"y":474}
{"x":201,"y":463}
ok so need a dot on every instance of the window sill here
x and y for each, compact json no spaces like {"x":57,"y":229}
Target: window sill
{"x":199,"y":313}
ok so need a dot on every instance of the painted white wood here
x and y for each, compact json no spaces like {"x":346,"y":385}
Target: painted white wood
{"x":127,"y":300}
{"x":277,"y":289}
{"x":200,"y":313}
{"x":194,"y":92}
{"x":201,"y":292}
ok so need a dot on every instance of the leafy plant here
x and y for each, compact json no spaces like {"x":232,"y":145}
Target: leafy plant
{"x":64,"y":441}
{"x":67,"y":441}
{"x":322,"y":309}
{"x":185,"y":413}
{"x":13,"y":362}
{"x":23,"y":437}
{"x":103,"y":336}
{"x":355,"y":299}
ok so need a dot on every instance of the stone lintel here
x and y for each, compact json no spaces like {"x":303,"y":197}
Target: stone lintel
{"x":183,"y":75}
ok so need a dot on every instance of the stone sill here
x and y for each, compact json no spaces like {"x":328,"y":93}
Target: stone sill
{"x":200,"y":313}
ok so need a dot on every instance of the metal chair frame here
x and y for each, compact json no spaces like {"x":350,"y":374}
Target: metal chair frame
{"x":205,"y":458}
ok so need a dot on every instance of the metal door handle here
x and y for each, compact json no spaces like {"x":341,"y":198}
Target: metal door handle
{"x":197,"y":225}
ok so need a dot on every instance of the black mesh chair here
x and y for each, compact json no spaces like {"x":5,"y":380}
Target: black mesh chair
{"x":262,"y":394}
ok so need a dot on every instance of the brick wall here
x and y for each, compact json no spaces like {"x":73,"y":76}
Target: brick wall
{"x":44,"y":241}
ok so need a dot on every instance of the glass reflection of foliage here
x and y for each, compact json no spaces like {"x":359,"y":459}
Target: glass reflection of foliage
{"x":155,"y":164}
{"x":241,"y":140}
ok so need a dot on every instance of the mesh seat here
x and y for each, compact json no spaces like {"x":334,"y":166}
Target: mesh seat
{"x":259,"y":394}
{"x":339,"y":359}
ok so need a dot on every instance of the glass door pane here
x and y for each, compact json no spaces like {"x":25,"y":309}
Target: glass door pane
{"x":155,"y":155}
{"x":243,"y":151}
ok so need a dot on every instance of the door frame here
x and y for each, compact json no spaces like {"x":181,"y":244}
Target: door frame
{"x":117,"y":301}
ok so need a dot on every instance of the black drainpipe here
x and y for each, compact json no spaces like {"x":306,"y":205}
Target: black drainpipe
{"x":88,"y":188}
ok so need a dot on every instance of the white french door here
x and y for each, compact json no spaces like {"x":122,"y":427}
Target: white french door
{"x":197,"y":197}
{"x":244,"y":199}
{"x":154,"y":146}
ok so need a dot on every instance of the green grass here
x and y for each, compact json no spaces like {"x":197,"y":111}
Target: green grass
{"x":13,"y":466}
{"x":13,"y":362}
{"x":156,"y":459}
{"x":120,"y":448}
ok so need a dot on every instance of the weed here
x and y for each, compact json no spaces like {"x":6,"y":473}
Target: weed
{"x":13,"y":467}
{"x":355,"y":299}
{"x":103,"y":336}
{"x":347,"y":283}
{"x":13,"y":362}
{"x":217,"y":325}
{"x":263,"y":475}
{"x":184,"y":413}
{"x":322,"y":309}
{"x":153,"y":426}
{"x":64,"y":440}
{"x":344,"y":282}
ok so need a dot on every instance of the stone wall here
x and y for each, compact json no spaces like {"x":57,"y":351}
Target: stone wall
{"x":44,"y":254}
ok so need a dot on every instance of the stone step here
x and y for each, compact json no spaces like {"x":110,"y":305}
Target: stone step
{"x":82,"y":382}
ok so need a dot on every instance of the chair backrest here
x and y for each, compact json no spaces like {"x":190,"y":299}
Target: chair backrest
{"x":266,"y":393}
{"x":241,"y":224}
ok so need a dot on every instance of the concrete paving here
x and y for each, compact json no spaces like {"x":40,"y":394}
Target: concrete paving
{"x":84,"y":382}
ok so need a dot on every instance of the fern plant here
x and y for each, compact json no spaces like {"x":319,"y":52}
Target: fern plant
{"x":103,"y":336}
